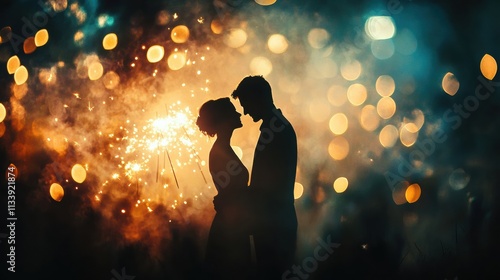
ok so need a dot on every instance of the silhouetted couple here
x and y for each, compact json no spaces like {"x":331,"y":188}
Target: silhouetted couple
{"x":254,"y":231}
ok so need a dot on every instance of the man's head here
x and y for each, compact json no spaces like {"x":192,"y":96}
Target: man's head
{"x":255,"y":96}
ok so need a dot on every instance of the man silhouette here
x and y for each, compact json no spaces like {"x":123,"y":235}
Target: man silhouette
{"x":272,"y":179}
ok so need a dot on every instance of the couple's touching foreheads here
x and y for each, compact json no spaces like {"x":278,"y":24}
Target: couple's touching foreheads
{"x":254,"y":231}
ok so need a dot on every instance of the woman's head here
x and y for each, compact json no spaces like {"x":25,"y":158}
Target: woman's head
{"x":218,"y":115}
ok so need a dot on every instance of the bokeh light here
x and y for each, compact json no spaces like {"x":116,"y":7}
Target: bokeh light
{"x":340,"y":184}
{"x":78,"y":173}
{"x":450,"y":84}
{"x":319,"y":110}
{"x":3,"y":112}
{"x":95,"y":70}
{"x":21,"y":75}
{"x":357,"y":94}
{"x":380,"y":27}
{"x":386,"y":107}
{"x":318,"y":38}
{"x":216,"y":26}
{"x":337,"y":95}
{"x":29,"y":45}
{"x":155,"y":53}
{"x":56,"y":192}
{"x":338,"y":123}
{"x":338,"y":148}
{"x":5,"y":34}
{"x":413,"y":193}
{"x":382,"y":49}
{"x":351,"y":70}
{"x":180,"y":34}
{"x":238,"y":151}
{"x":385,"y":85}
{"x":369,"y":118}
{"x":298,"y":190}
{"x":235,"y":37}
{"x":111,"y":80}
{"x":261,"y":66}
{"x":176,"y":60}
{"x":399,"y":192}
{"x":41,"y":37}
{"x":388,"y":136}
{"x":408,"y":134}
{"x":265,"y":2}
{"x":488,"y":66}
{"x":277,"y":43}
{"x":458,"y":179}
{"x":110,"y":41}
{"x":12,"y":64}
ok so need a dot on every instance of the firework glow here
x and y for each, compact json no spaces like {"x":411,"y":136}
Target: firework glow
{"x":99,"y":103}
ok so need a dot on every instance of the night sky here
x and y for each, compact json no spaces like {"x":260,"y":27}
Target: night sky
{"x":395,"y":104}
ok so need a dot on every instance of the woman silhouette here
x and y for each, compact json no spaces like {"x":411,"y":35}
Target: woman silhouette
{"x":228,"y":247}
